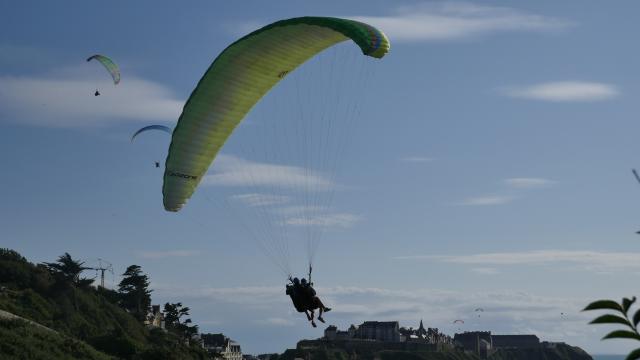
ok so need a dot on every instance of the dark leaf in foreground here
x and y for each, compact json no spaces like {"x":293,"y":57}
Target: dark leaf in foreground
{"x":622,"y":334}
{"x":603,"y":305}
{"x":610,"y":319}
{"x":636,"y":318}
{"x":634,"y":355}
{"x":626,"y":303}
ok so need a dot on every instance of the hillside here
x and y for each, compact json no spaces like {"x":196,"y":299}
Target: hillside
{"x":19,"y":340}
{"x":560,"y":352}
{"x":341,"y":354}
{"x":87,"y":320}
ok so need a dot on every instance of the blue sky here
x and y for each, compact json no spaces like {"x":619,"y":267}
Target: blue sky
{"x":489,"y":167}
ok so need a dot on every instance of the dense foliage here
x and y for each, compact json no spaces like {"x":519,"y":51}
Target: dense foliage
{"x":111,"y":322}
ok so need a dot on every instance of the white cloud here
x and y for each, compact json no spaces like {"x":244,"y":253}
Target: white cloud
{"x":416,"y":159}
{"x":528,"y":183}
{"x":586,"y":259}
{"x":485,"y":271}
{"x":255,"y":199}
{"x":504,"y":311}
{"x":487,"y":200}
{"x":564,"y":91}
{"x":458,"y":20}
{"x":229,"y":170}
{"x":342,"y":220}
{"x":65,"y":99}
{"x":238,"y":295}
{"x":166,"y":254}
{"x":276,"y":321}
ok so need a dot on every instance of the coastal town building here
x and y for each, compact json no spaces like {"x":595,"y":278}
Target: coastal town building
{"x":222,"y":346}
{"x":380,"y":335}
{"x":378,"y":330}
{"x":387,"y":331}
{"x":155,"y":318}
{"x":483,"y":343}
{"x":515,"y":341}
{"x":477,"y":342}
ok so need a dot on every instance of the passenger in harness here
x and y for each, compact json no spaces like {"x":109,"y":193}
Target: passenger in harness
{"x":304,"y":299}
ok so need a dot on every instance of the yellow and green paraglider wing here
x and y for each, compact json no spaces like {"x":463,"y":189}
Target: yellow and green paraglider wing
{"x":111,"y":67}
{"x":237,"y":79}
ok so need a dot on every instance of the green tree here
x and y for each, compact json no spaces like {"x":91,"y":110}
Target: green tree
{"x":67,"y":270}
{"x":135,"y":295}
{"x":172,"y":320}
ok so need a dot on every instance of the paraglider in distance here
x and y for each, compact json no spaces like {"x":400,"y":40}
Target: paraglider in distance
{"x":458,"y":322}
{"x":479,"y":310}
{"x":111,"y":67}
{"x":166,"y":129}
{"x":237,"y":79}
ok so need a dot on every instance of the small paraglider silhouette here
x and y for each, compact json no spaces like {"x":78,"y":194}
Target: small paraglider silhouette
{"x":458,"y":322}
{"x":111,"y":67}
{"x":166,"y":129}
{"x":479,"y":310}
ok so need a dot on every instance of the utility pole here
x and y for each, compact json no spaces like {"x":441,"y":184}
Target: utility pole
{"x":102,"y":268}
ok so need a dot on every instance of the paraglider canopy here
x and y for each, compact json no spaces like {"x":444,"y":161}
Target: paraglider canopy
{"x":111,"y":67}
{"x":151,"y":127}
{"x":237,"y":79}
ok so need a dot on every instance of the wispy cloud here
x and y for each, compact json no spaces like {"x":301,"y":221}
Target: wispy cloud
{"x":416,"y":159}
{"x":341,"y":220}
{"x":586,"y":259}
{"x":65,"y":99}
{"x":458,"y":20}
{"x":528,"y":183}
{"x":255,"y":199}
{"x":229,"y":170}
{"x":485,"y":271}
{"x":488,"y":200}
{"x":166,"y":254}
{"x":501,"y":199}
{"x":504,"y":311}
{"x":564,"y":91}
{"x":276,"y":321}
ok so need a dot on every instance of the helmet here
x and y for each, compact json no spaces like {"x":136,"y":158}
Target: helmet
{"x":303,"y":281}
{"x":296,"y":281}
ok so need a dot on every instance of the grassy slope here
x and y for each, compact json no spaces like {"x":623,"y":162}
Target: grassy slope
{"x":24,"y":341}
